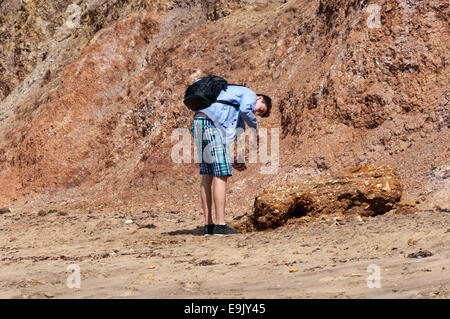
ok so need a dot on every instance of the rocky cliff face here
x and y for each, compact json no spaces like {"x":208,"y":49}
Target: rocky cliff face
{"x":91,"y":91}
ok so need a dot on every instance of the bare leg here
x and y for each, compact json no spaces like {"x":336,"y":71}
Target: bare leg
{"x":205,"y":193}
{"x":219,"y":185}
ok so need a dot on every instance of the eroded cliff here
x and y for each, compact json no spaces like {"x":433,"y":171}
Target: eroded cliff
{"x":91,"y":91}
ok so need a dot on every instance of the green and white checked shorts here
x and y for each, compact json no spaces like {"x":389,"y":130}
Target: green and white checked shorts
{"x":213,"y":155}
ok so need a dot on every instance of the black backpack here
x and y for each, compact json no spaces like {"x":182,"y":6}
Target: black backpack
{"x":203,"y":92}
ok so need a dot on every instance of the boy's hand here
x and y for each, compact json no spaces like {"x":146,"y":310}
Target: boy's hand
{"x":239,"y":166}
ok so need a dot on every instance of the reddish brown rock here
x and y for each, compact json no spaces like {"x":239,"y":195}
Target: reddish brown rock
{"x":366,"y":191}
{"x":5,"y":210}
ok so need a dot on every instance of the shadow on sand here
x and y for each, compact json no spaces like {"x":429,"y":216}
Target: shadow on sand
{"x":198,"y":231}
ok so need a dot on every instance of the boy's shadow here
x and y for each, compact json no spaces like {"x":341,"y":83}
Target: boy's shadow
{"x":198,"y":231}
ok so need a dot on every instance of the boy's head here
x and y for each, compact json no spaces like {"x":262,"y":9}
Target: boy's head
{"x":263,"y":105}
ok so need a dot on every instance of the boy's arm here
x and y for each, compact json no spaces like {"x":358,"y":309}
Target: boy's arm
{"x":247,"y":109}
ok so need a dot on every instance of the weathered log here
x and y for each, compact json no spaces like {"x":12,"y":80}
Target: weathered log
{"x":366,"y":191}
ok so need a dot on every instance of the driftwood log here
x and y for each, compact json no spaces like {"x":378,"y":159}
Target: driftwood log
{"x":365,"y":191}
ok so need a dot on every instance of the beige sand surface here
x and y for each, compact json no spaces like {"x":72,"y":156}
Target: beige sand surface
{"x":165,"y":256}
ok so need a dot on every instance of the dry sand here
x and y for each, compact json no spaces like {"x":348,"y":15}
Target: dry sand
{"x":165,"y":256}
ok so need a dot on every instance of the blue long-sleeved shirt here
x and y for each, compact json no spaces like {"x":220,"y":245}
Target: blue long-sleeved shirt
{"x":227,"y":118}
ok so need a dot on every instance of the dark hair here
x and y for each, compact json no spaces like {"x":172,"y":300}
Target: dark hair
{"x":268,"y":102}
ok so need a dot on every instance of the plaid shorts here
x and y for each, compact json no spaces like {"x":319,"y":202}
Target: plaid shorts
{"x":213,"y":155}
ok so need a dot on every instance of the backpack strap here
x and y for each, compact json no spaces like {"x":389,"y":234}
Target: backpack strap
{"x":228,"y":103}
{"x":236,"y":105}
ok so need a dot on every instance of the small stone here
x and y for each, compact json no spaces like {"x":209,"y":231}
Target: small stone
{"x":5,"y":210}
{"x":260,"y":4}
{"x":42,"y":213}
{"x":206,"y":262}
{"x":421,"y":254}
